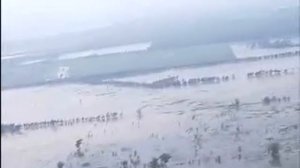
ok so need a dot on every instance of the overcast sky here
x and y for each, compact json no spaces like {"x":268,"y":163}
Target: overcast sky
{"x":25,"y":19}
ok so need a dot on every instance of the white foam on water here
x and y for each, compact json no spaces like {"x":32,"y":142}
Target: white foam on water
{"x":106,"y":51}
{"x":32,"y":62}
{"x":14,"y":56}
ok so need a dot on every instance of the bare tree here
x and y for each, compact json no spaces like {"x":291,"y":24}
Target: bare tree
{"x":154,"y":163}
{"x":78,"y":146}
{"x":124,"y":164}
{"x":60,"y":164}
{"x":273,"y":149}
{"x":164,"y":158}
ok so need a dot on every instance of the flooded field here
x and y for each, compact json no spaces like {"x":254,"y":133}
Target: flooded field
{"x":197,"y":126}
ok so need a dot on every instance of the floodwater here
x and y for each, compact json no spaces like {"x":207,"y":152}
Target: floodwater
{"x":171,"y":119}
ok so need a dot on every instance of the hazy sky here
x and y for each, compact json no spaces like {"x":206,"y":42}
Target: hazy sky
{"x":23,"y":19}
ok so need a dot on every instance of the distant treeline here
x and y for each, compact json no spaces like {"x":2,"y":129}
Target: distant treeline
{"x":17,"y":128}
{"x":269,"y":73}
{"x":174,"y":81}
